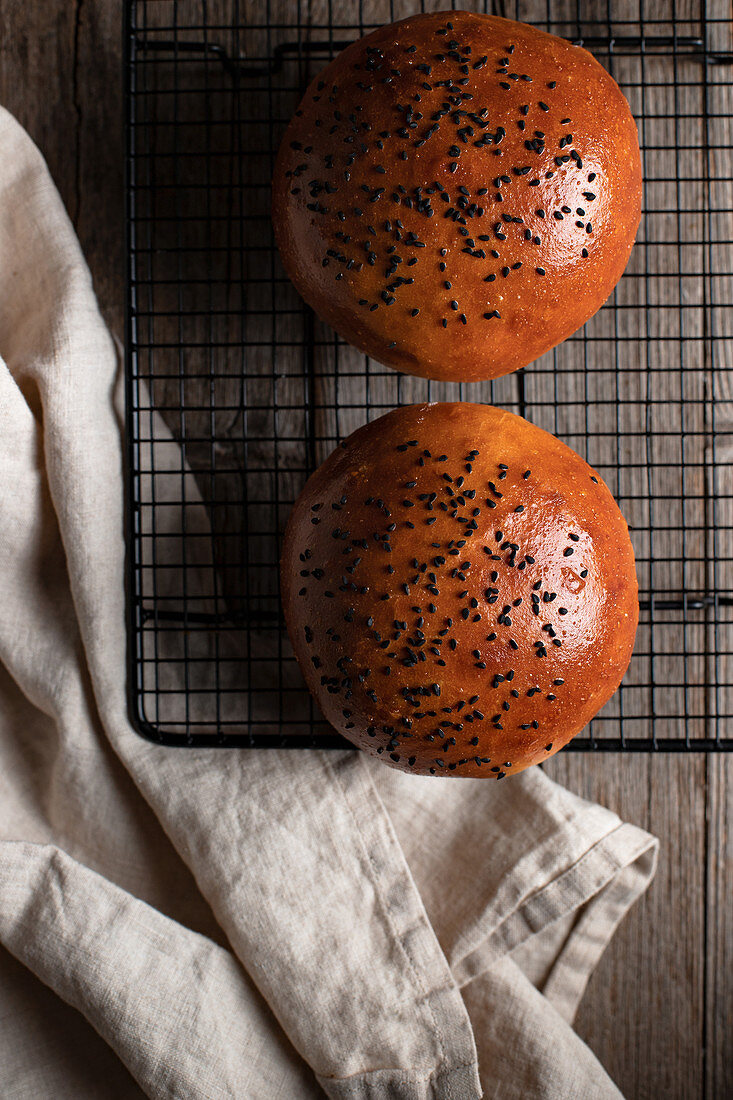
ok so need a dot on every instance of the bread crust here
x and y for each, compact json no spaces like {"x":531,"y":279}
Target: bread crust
{"x":460,"y":591}
{"x":509,"y":241}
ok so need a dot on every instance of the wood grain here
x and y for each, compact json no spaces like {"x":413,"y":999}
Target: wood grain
{"x":718,"y":1079}
{"x":659,"y":1009}
{"x":719,"y":972}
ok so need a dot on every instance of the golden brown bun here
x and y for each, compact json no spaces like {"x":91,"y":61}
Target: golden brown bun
{"x":459,"y":589}
{"x":508,"y":241}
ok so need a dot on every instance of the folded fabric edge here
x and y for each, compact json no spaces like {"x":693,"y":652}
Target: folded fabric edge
{"x":455,"y":1083}
{"x":604,"y":882}
{"x":596,"y":924}
{"x":64,"y":922}
{"x":565,"y":839}
{"x":410,"y":927}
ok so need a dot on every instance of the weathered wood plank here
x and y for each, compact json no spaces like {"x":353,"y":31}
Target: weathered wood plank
{"x":719,"y":971}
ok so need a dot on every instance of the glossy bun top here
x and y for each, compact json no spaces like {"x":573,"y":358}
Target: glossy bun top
{"x":460,"y":591}
{"x":458,"y":193}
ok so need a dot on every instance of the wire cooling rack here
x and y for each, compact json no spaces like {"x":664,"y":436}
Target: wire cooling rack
{"x":235,"y":392}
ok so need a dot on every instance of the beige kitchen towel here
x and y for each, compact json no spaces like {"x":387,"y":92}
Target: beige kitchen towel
{"x":274,"y":925}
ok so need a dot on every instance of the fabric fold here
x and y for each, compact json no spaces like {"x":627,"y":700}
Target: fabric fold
{"x":538,"y":1066}
{"x":557,"y":874}
{"x":599,"y":887}
{"x":66,"y":923}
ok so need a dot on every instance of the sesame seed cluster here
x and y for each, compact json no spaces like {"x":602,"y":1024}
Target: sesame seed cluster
{"x":449,"y":184}
{"x":460,"y":591}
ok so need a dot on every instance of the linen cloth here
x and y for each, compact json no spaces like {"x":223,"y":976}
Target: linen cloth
{"x":206,"y":924}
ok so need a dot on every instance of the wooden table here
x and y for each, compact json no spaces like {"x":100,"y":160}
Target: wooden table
{"x":659,"y":1009}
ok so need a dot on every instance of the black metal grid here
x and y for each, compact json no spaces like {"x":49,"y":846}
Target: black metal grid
{"x":235,"y":392}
